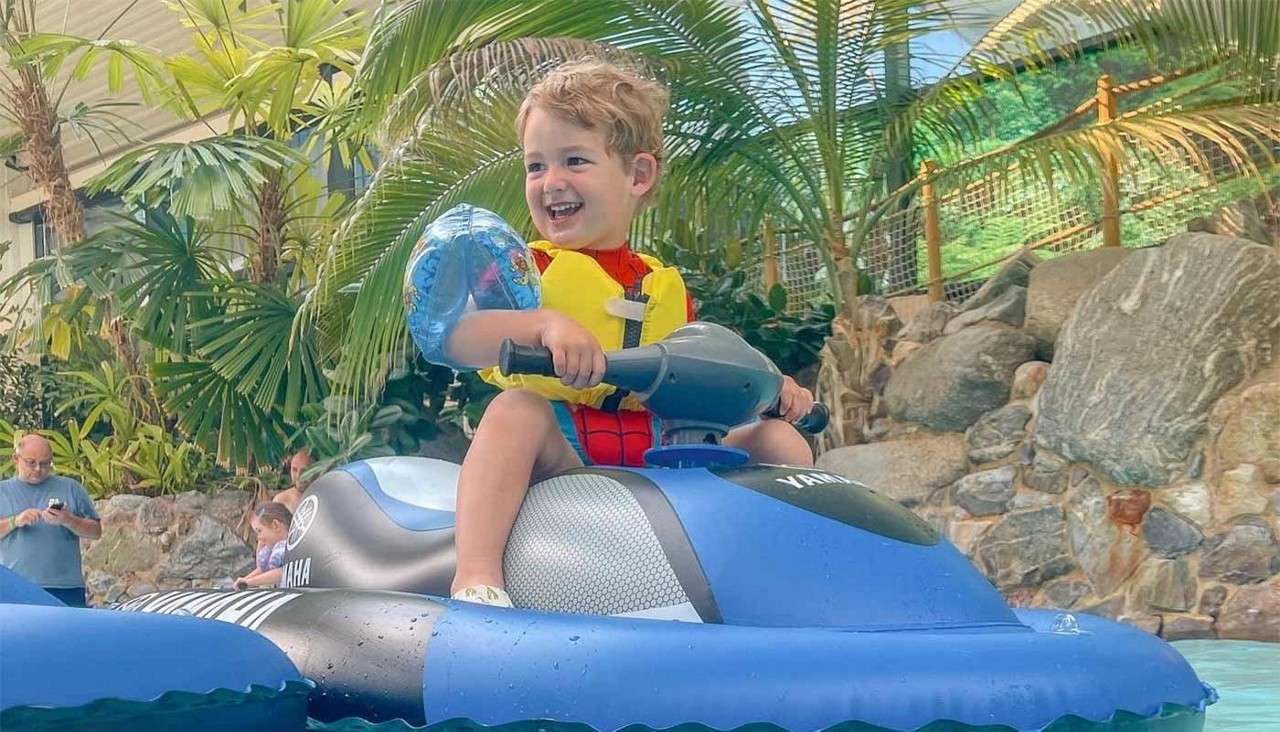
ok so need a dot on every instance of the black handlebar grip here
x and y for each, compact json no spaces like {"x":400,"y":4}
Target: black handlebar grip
{"x":812,"y":423}
{"x":514,"y":358}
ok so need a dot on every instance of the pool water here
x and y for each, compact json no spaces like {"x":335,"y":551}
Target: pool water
{"x":1247,"y":677}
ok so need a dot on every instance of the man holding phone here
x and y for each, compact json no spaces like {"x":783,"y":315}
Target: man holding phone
{"x":42,"y":519}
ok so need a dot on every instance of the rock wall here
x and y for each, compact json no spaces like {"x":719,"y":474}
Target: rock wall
{"x":167,"y":543}
{"x":1135,"y":476}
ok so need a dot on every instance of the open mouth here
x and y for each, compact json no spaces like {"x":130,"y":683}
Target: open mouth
{"x":561,"y":211}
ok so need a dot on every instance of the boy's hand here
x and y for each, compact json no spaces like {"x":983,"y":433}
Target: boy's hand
{"x":795,"y":401}
{"x":577,"y":354}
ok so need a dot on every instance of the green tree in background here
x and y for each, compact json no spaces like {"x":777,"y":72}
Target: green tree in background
{"x":780,"y":109}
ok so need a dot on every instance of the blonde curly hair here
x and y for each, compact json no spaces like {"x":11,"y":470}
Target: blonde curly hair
{"x":602,"y":95}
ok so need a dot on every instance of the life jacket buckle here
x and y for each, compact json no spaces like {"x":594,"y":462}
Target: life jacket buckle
{"x":625,"y":309}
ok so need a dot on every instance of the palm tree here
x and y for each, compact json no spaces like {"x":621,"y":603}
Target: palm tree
{"x":227,"y":360}
{"x":36,"y":114}
{"x":782,"y":111}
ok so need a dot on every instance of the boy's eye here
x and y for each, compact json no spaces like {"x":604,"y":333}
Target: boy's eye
{"x":533,"y":167}
{"x":575,"y":160}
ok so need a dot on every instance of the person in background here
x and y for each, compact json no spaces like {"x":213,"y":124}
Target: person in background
{"x":271,"y":525}
{"x":42,"y":519}
{"x":292,"y":496}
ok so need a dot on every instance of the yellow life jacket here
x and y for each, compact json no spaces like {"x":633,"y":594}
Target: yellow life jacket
{"x":575,"y":284}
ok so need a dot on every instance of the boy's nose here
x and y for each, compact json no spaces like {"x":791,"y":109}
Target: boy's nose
{"x":554,"y":180}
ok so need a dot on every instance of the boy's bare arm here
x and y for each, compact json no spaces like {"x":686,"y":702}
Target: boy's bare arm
{"x":477,"y":336}
{"x":578,"y":357}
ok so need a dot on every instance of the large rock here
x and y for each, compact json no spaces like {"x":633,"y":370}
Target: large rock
{"x":1238,"y":218}
{"x":231,"y":508}
{"x":1028,"y":379}
{"x":121,"y":549}
{"x":120,"y":509}
{"x":1193,"y":500}
{"x":1212,"y":600}
{"x":209,"y":551}
{"x":1014,"y":273}
{"x":954,"y":380}
{"x":929,"y":323}
{"x":103,"y":587}
{"x":155,"y":516}
{"x":1244,"y":553}
{"x":1049,"y":473}
{"x":1251,"y":433}
{"x":1165,"y":585}
{"x":1240,"y":492}
{"x":1151,"y":347}
{"x":986,"y":493}
{"x":1169,"y":534}
{"x":997,"y":434}
{"x":1065,"y":593}
{"x":1252,"y":613}
{"x":1009,"y":308}
{"x":1108,"y":553}
{"x":1025,"y":550}
{"x":1055,"y":287}
{"x":907,"y":470}
{"x":1187,"y":627}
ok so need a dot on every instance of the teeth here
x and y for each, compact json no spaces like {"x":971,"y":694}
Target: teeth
{"x":561,"y":209}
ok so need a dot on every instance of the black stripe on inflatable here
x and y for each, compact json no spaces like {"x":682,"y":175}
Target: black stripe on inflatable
{"x":364,"y":649}
{"x":353,"y":543}
{"x":673,"y":538}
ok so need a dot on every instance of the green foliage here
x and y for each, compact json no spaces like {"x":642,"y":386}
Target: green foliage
{"x":199,"y":179}
{"x":21,"y":392}
{"x":158,"y":463}
{"x":722,"y":295}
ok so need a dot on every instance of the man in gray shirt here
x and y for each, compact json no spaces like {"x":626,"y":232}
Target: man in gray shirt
{"x":42,"y":519}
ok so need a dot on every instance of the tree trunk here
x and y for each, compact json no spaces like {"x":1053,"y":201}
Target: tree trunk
{"x":271,"y":221}
{"x":903,"y":267}
{"x":43,"y":152}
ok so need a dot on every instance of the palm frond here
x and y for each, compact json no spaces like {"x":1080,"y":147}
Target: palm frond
{"x":363,"y":278}
{"x":257,"y":344}
{"x":212,"y":412}
{"x":197,"y":179}
{"x":52,"y":50}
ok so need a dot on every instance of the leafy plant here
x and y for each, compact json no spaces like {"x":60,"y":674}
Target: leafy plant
{"x":723,"y":295}
{"x":159,"y":464}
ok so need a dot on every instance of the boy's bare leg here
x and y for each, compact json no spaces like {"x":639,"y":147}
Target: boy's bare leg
{"x":772,"y":441}
{"x":517,"y":443}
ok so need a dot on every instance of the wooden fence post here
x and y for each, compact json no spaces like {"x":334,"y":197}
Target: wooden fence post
{"x":1108,"y":110}
{"x":771,"y":274}
{"x":932,"y":230}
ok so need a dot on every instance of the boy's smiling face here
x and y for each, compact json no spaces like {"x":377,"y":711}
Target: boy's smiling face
{"x":581,"y":195}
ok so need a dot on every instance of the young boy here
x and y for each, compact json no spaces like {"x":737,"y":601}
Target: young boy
{"x":593,"y":147}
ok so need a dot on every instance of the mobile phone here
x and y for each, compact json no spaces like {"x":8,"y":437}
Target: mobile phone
{"x":57,"y":503}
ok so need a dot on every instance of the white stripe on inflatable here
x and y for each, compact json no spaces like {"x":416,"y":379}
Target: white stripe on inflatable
{"x":419,"y":481}
{"x":684,"y":613}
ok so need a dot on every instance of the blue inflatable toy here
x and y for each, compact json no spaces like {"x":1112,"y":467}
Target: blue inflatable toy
{"x":714,"y":593}
{"x":81,"y":669}
{"x":468,"y":259}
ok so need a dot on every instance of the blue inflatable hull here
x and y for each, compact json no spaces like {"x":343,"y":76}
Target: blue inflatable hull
{"x":75,"y":668}
{"x":436,"y":661}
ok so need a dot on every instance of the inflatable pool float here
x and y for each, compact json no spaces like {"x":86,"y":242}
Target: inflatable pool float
{"x":82,"y":669}
{"x":715,"y":593}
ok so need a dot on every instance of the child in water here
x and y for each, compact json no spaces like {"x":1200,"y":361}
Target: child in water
{"x":270,"y":523}
{"x":593,"y":149}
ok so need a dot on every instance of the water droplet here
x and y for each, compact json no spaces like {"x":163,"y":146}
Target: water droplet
{"x":1066,"y":624}
{"x":574,"y":638}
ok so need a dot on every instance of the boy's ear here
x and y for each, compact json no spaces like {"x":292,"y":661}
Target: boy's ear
{"x":644,"y":173}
